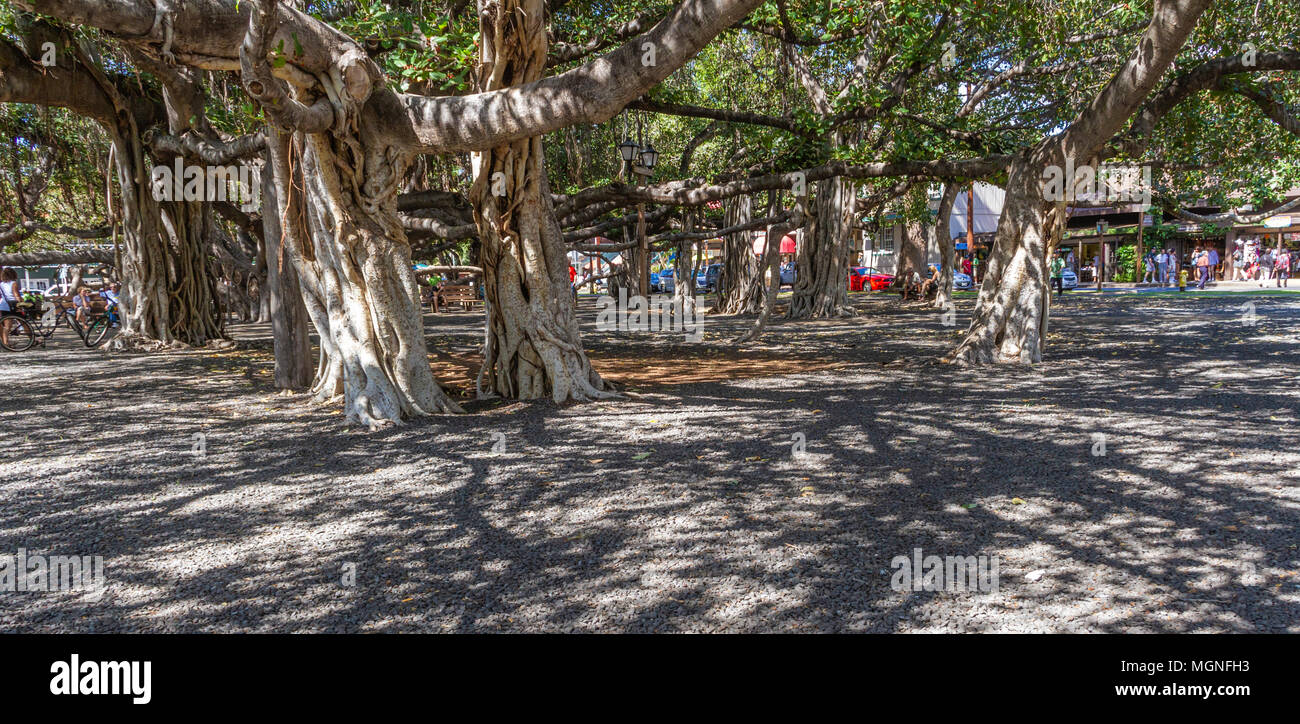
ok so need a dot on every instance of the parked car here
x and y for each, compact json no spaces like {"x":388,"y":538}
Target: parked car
{"x":962,"y":281}
{"x":787,"y":274}
{"x":1068,"y":279}
{"x":667,"y":282}
{"x":868,"y":279}
{"x":707,"y":280}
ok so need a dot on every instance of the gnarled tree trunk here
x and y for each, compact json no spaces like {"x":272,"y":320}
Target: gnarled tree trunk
{"x":742,"y":289}
{"x":532,"y":346}
{"x":1008,"y":316}
{"x":822,"y":263}
{"x":169,"y":295}
{"x":1011,"y":315}
{"x":281,"y":298}
{"x":943,"y":240}
{"x":355,"y":259}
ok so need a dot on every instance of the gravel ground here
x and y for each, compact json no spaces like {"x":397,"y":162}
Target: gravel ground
{"x":685,"y":508}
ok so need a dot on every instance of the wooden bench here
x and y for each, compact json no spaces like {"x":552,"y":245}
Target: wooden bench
{"x":461,"y":294}
{"x":97,"y":305}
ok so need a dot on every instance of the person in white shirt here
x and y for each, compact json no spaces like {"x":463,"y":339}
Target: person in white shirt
{"x":10,"y":294}
{"x":10,"y":291}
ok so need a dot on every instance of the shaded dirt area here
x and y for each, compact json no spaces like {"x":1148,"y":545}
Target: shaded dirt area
{"x":1145,"y":477}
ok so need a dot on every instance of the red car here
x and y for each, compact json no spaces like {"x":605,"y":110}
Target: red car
{"x":866,"y":278}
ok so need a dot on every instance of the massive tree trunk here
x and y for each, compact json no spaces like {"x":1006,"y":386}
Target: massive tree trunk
{"x":684,"y":265}
{"x":1008,"y":315}
{"x":354,"y":257}
{"x":337,"y":178}
{"x":822,"y":263}
{"x":742,"y":288}
{"x":281,"y":298}
{"x":532,"y":346}
{"x":912,"y":253}
{"x":169,"y":294}
{"x":1011,"y":315}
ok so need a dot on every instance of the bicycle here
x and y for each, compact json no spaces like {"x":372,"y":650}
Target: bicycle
{"x":22,"y":333}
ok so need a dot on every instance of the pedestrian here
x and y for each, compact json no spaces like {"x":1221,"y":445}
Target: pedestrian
{"x":1202,"y":261}
{"x":1282,"y":266}
{"x":1149,"y":263}
{"x":1265,"y":266}
{"x":1058,"y":265}
{"x":1173,"y":266}
{"x":11,"y":293}
{"x":1162,"y":268}
{"x":1238,"y":263}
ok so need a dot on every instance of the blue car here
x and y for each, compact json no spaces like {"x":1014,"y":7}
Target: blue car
{"x":667,"y":281}
{"x":654,"y":282}
{"x":707,"y":280}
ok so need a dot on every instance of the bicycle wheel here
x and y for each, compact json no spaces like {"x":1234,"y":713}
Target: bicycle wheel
{"x":18,"y":334}
{"x":98,"y":331}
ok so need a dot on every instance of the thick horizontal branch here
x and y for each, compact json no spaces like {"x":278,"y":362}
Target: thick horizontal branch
{"x":591,"y":93}
{"x":1206,"y":76}
{"x":691,"y":193}
{"x":42,"y":258}
{"x":216,"y":153}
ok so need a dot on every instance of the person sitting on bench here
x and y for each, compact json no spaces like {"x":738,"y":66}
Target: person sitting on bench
{"x":81,"y":302}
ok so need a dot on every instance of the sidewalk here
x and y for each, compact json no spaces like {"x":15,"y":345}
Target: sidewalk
{"x":1211,"y":287}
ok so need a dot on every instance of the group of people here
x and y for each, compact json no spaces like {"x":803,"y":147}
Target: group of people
{"x":12,"y":298}
{"x":1166,"y":269}
{"x":918,"y":288}
{"x":1252,"y":261}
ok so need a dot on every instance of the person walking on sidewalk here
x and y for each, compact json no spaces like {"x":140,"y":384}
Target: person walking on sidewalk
{"x":1058,"y":265}
{"x":1202,"y":261}
{"x":1282,"y":267}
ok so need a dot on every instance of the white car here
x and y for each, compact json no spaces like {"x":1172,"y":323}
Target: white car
{"x":58,"y":290}
{"x":1068,"y":279}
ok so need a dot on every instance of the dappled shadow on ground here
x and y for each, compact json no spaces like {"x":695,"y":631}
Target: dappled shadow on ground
{"x":687,"y":507}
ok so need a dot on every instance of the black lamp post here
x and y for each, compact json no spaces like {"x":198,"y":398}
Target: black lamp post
{"x":649,"y":157}
{"x":628,"y":150}
{"x":633,"y":153}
